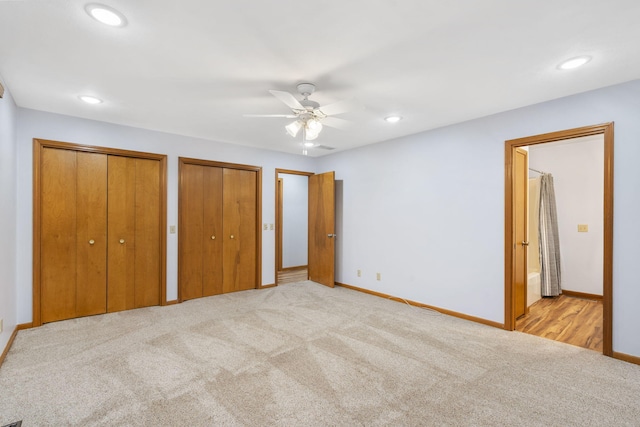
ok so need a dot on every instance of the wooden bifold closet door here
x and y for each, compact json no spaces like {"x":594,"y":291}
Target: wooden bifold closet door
{"x":201,"y":231}
{"x":98,"y":230}
{"x":134,"y":241}
{"x":73,"y":227}
{"x":218,"y":234}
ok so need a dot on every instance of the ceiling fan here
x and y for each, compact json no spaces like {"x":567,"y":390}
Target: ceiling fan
{"x":310,"y":116}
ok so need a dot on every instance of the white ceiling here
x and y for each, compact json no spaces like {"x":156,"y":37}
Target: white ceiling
{"x":194,"y":67}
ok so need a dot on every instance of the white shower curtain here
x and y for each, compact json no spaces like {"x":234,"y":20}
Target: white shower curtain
{"x":550,"y":277}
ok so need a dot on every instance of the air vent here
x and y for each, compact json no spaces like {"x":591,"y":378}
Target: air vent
{"x":324,"y":147}
{"x":16,"y":424}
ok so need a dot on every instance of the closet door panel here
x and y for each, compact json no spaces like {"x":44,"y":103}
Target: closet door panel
{"x":147,"y":233}
{"x":91,"y":211}
{"x":247,"y":230}
{"x":212,"y":236}
{"x":121,"y":233}
{"x":239,"y":218}
{"x":191,"y":231}
{"x":58,"y":234}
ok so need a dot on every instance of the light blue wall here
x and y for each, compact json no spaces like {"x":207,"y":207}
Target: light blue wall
{"x":427,"y":211}
{"x":8,"y":168}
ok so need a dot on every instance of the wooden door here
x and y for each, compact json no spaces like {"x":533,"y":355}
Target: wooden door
{"x":72,"y":234}
{"x":520,"y":244}
{"x":98,"y":228}
{"x":91,"y":211}
{"x":191,"y":230}
{"x":239,"y":229}
{"x":212,"y":237}
{"x":58,"y":234}
{"x":148,"y":247}
{"x":322,"y":228}
{"x":200,"y":231}
{"x":218,"y":217}
{"x":122,"y":245}
{"x":279,"y":223}
{"x":134,"y":236}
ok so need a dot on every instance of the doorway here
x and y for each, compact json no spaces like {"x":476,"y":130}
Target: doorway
{"x":292,"y":227}
{"x":319,"y":246}
{"x":513,"y":264}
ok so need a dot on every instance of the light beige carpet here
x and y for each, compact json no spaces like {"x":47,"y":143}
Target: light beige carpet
{"x":302,"y":354}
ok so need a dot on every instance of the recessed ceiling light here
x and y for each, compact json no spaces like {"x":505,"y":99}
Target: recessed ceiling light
{"x":574,"y":63}
{"x":105,"y":14}
{"x":393,"y":119}
{"x":90,"y":99}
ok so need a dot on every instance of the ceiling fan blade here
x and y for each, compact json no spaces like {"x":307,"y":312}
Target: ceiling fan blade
{"x":334,"y":122}
{"x":339,"y":107}
{"x":288,"y":99}
{"x":286,"y":116}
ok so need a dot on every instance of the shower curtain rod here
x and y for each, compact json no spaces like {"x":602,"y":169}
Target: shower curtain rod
{"x":536,"y":170}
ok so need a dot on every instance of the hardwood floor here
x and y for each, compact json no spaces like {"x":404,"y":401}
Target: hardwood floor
{"x":566,"y":319}
{"x":294,"y":275}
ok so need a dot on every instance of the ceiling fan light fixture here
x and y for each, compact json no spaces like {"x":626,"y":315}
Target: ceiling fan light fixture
{"x":307,"y":113}
{"x":106,"y":15}
{"x":314,"y":125}
{"x":312,"y":129}
{"x":310,"y":135}
{"x":293,"y":128}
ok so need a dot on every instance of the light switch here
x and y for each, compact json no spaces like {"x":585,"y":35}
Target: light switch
{"x":583,"y":228}
{"x":270,"y":226}
{"x":265,"y":226}
{"x":172,"y":229}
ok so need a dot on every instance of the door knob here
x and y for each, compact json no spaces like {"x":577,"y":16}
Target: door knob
{"x":91,"y":242}
{"x":213,"y":237}
{"x":121,"y":241}
{"x":331,"y":235}
{"x":525,"y":243}
{"x":232,"y":236}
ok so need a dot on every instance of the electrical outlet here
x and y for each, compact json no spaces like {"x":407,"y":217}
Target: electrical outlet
{"x":172,"y":229}
{"x":583,"y":228}
{"x":359,"y":273}
{"x":378,"y":276}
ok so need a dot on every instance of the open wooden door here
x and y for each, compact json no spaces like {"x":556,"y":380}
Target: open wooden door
{"x":322,"y":228}
{"x":520,"y":244}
